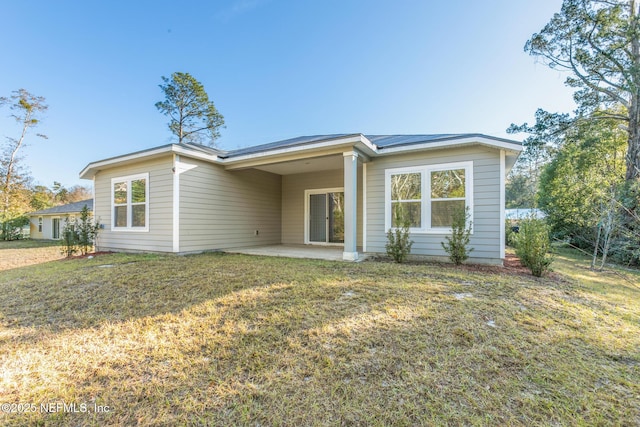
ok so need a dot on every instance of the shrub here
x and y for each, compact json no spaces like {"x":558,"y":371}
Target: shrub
{"x":510,"y":232}
{"x":69,"y":239}
{"x":80,"y":234}
{"x":457,"y":245}
{"x":533,"y":245}
{"x":12,"y":228}
{"x":398,"y":243}
{"x":87,"y":230}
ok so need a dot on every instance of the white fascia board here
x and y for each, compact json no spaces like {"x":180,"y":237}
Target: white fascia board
{"x":90,"y":170}
{"x":213,"y":158}
{"x":353,"y":139}
{"x":448,"y":143}
{"x":367,"y":146}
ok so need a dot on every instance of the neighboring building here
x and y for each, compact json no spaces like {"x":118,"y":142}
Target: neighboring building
{"x":49,"y":223}
{"x":521,"y":213}
{"x":338,"y":190}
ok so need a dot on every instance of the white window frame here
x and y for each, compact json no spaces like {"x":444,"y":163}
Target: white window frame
{"x":128,"y":179}
{"x":425,"y":171}
{"x":40,"y":222}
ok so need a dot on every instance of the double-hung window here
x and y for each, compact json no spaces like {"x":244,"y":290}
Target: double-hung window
{"x":426,"y":197}
{"x":130,"y":203}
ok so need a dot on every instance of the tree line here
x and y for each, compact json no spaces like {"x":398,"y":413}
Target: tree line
{"x":583,"y":168}
{"x":18,"y":194}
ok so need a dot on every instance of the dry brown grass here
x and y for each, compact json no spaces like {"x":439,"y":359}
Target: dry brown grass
{"x":236,"y":340}
{"x":28,"y":252}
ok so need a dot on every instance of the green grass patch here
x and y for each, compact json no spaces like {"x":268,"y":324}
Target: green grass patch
{"x":27,"y":244}
{"x":217,"y":339}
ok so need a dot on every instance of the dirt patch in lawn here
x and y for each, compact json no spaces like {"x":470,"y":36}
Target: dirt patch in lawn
{"x":15,"y":257}
{"x":91,"y":255}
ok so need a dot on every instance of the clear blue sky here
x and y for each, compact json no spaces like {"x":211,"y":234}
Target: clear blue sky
{"x":275,"y":69}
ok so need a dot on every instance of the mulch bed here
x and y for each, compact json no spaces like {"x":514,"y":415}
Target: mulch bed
{"x":511,"y":266}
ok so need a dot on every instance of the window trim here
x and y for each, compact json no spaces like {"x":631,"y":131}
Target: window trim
{"x":128,"y":179}
{"x":40,"y":224}
{"x":425,"y":171}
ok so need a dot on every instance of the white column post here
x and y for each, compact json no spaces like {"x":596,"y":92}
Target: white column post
{"x":176,"y":203}
{"x":350,"y":252}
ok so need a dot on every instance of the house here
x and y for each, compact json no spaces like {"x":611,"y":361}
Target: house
{"x":48,"y":223}
{"x":522,"y":213}
{"x":342,"y":190}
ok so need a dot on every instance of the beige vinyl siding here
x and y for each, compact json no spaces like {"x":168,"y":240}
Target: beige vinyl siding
{"x":293,"y":188}
{"x":222,"y":209}
{"x":486,"y":201}
{"x":159,"y":237}
{"x":33,"y":228}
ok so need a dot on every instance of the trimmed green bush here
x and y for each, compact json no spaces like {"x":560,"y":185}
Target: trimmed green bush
{"x":398,"y":243}
{"x":457,"y":245}
{"x":80,"y":234}
{"x":533,"y":246}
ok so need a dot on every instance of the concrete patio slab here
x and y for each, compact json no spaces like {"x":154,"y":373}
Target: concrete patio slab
{"x":329,"y":253}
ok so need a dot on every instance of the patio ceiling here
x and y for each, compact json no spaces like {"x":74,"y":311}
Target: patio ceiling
{"x":312,"y":164}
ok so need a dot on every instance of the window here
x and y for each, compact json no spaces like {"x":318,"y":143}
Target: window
{"x":129,"y":199}
{"x":406,"y":199}
{"x":447,"y":195}
{"x":426,"y":197}
{"x":39,"y":224}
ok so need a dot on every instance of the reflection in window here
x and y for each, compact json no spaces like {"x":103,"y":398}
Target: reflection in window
{"x":447,"y":196}
{"x":406,"y":200}
{"x":130,"y":208}
{"x":426,"y":197}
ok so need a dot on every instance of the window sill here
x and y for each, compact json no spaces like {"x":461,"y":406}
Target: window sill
{"x":432,"y":231}
{"x":130,"y":229}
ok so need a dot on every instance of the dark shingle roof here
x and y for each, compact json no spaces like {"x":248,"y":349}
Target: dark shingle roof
{"x":380,"y":141}
{"x":66,"y":209}
{"x":292,"y":142}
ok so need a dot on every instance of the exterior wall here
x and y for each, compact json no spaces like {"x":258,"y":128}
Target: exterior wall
{"x":222,"y":209}
{"x":293,"y":188}
{"x":47,"y":225}
{"x":486,"y":238}
{"x":159,"y":236}
{"x":33,"y":227}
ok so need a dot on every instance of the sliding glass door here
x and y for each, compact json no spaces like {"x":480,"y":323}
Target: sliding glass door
{"x":326,"y":217}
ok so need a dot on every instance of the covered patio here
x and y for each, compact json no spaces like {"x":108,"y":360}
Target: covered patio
{"x":322,"y":194}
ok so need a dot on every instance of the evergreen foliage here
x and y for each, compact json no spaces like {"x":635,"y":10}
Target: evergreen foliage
{"x":457,"y":245}
{"x":399,"y":244}
{"x":80,"y":234}
{"x":12,"y":229}
{"x":193,"y":117}
{"x":533,"y":245}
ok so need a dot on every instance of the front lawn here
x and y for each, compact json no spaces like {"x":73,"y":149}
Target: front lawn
{"x":218,"y":339}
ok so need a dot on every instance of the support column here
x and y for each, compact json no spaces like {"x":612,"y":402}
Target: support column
{"x":350,"y":252}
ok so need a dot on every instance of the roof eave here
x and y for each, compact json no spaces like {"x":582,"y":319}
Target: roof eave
{"x":357,"y":141}
{"x":92,"y":168}
{"x":499,"y":143}
{"x":354,"y":140}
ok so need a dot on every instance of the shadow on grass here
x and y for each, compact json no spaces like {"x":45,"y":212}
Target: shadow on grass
{"x":215,"y":339}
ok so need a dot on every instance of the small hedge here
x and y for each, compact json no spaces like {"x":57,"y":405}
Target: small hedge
{"x":533,"y":246}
